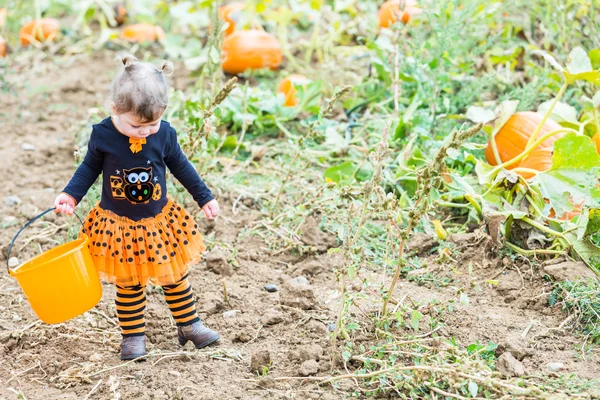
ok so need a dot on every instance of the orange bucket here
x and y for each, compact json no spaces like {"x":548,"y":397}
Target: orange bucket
{"x":60,"y":283}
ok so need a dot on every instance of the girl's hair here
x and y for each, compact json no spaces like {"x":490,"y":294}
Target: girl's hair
{"x":140,"y":88}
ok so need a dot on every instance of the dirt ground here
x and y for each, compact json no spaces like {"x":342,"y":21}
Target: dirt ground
{"x":43,"y":105}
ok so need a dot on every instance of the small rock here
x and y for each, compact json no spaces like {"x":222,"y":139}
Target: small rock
{"x":242,"y":336}
{"x":230,"y":313}
{"x":299,"y":281}
{"x":260,"y":359}
{"x":175,"y":373}
{"x":569,"y":270}
{"x":555,"y":366}
{"x":272,"y":317}
{"x":311,"y":352}
{"x":516,"y":346}
{"x":9,"y":219}
{"x":95,"y":357}
{"x":12,"y":200}
{"x":507,"y":283}
{"x":421,"y":243}
{"x":510,"y":366}
{"x":13,"y":262}
{"x":271,"y":288}
{"x":27,"y":147}
{"x":216,"y":261}
{"x":302,"y":297}
{"x":309,"y":367}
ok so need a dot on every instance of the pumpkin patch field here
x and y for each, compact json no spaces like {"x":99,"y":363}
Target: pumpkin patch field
{"x":409,"y":195}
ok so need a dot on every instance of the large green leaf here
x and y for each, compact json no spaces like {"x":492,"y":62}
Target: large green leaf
{"x":573,"y":176}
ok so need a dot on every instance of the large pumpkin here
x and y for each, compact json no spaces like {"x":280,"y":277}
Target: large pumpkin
{"x":512,"y":139}
{"x":252,"y":49}
{"x":286,"y":86}
{"x":390,"y":12}
{"x":230,"y":13}
{"x":140,"y":33}
{"x":2,"y":47}
{"x":40,"y":30}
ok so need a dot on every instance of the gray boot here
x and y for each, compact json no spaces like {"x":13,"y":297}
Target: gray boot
{"x":133,"y":347}
{"x":198,"y":334}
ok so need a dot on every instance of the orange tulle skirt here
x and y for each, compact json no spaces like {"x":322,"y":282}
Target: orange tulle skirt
{"x":159,"y":249}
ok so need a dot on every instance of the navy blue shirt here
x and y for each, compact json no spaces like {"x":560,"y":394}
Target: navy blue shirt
{"x":134,"y":184}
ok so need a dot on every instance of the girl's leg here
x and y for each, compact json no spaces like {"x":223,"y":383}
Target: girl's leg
{"x":131,"y":305}
{"x":182,"y":304}
{"x":181,"y":301}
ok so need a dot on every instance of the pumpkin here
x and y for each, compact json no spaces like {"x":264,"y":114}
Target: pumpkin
{"x":3,"y":47}
{"x":251,"y":49}
{"x":120,"y":13}
{"x":39,"y":30}
{"x":596,"y":140}
{"x":390,"y":12}
{"x":2,"y":17}
{"x":230,"y":13}
{"x":286,"y":86}
{"x":140,"y":33}
{"x":512,"y":139}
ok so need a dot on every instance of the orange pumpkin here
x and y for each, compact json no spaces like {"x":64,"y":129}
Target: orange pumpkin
{"x":390,"y":12}
{"x":286,"y":86}
{"x":252,"y":49}
{"x":140,"y":33}
{"x":3,"y":47}
{"x":39,"y":30}
{"x":230,"y":13}
{"x":596,"y":140}
{"x":120,"y":13}
{"x":512,"y":139}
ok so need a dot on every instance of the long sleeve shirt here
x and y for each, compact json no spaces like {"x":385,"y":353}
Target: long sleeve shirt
{"x":134,"y":184}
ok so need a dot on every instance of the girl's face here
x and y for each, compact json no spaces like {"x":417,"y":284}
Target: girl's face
{"x":131,"y":126}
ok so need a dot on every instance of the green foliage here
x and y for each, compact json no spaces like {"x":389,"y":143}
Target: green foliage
{"x":582,"y":300}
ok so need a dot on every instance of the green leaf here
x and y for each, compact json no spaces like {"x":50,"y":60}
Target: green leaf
{"x":341,"y":173}
{"x":214,"y":55}
{"x":573,"y":176}
{"x":352,"y":326}
{"x":415,"y":317}
{"x":562,"y":112}
{"x":574,"y":151}
{"x":346,"y":354}
{"x":473,"y":388}
{"x":464,"y":299}
{"x":594,"y":55}
{"x":480,"y":114}
{"x":578,"y":61}
{"x":584,"y":250}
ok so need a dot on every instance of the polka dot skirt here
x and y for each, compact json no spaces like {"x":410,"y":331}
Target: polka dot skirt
{"x":159,"y":249}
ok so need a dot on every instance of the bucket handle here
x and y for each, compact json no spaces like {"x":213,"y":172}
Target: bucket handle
{"x":32,"y":220}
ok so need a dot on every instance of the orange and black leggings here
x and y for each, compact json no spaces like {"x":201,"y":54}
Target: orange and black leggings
{"x":131,"y":305}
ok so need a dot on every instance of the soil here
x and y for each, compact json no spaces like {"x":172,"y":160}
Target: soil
{"x":283,"y":333}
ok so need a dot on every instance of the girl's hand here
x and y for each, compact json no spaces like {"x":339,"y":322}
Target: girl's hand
{"x":211,"y":209}
{"x":64,"y":204}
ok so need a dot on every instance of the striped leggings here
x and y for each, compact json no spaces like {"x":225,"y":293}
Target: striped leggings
{"x":131,"y":304}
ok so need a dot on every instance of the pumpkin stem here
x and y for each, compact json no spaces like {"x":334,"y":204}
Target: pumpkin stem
{"x":534,"y":252}
{"x":543,"y":121}
{"x":495,"y":148}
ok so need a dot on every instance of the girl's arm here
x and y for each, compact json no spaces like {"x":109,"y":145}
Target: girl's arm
{"x":87,"y":173}
{"x":184,"y":172}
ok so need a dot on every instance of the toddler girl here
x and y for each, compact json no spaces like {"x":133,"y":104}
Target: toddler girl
{"x":137,"y":233}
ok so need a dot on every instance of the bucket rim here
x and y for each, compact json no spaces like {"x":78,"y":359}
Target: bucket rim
{"x":16,"y":271}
